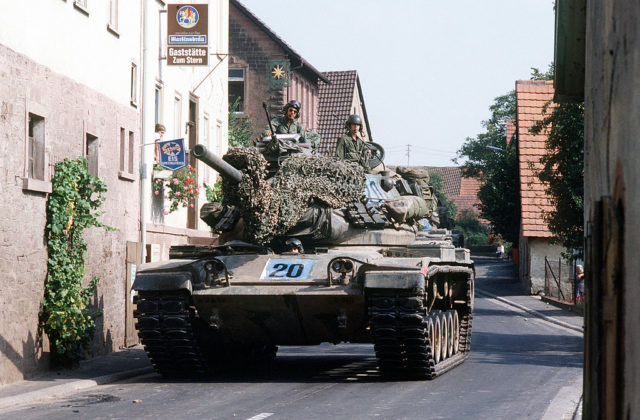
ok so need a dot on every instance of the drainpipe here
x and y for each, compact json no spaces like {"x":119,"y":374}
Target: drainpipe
{"x":149,"y":12}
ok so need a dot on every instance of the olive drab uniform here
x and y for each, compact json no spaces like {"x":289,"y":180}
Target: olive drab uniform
{"x":353,"y":150}
{"x":281,"y":126}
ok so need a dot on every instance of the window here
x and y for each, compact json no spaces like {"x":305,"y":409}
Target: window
{"x":236,"y":89}
{"x":207,"y":142}
{"x":112,"y":26}
{"x":81,"y":5}
{"x":35,"y":156}
{"x":134,"y":84}
{"x":123,"y":149}
{"x":177,"y":115}
{"x":92,"y":154}
{"x":159,"y":103}
{"x":131,"y":149}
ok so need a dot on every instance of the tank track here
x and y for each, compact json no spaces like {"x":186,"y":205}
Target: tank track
{"x":399,"y":325}
{"x":165,"y":327}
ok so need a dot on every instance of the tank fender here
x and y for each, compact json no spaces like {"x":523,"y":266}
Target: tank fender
{"x":389,"y":279}
{"x":150,"y":282}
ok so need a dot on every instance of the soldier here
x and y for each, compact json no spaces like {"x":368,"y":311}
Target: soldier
{"x":289,"y":124}
{"x":351,"y":147}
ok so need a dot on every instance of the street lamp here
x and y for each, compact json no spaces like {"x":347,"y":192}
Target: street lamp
{"x":495,"y":149}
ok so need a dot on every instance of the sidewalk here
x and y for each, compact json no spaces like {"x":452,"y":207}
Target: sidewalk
{"x":501,"y":284}
{"x":113,"y":367}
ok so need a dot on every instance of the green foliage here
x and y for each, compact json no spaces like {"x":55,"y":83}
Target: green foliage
{"x":240,"y":127}
{"x":497,"y":169}
{"x":475,"y":233}
{"x":71,"y":208}
{"x":538,"y":75}
{"x":435,"y":180}
{"x":563,"y":172}
{"x":214,"y":193}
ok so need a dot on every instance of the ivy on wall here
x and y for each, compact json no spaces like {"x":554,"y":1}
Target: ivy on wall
{"x":71,"y":208}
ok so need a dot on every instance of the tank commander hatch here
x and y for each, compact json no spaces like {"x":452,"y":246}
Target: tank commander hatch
{"x":351,"y":147}
{"x":289,"y":124}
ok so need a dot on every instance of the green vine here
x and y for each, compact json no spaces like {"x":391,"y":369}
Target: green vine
{"x":71,"y":208}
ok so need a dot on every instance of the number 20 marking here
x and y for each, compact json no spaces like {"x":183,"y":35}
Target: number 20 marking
{"x":287,"y":270}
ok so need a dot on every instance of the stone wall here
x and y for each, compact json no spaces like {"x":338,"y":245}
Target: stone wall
{"x":71,"y":110}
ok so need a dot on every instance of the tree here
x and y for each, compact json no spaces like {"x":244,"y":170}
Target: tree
{"x":240,"y":127}
{"x":497,"y":168}
{"x":435,"y":180}
{"x":563,"y":172}
{"x":475,"y":233}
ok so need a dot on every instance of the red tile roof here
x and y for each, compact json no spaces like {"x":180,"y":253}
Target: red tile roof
{"x":531,"y":97}
{"x":462,"y":190}
{"x":335,"y":104}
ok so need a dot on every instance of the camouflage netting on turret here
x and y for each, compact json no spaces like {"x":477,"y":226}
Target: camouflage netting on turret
{"x":271,"y":208}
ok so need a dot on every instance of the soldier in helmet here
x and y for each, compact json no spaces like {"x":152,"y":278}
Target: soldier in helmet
{"x":289,"y":124}
{"x":351,"y":147}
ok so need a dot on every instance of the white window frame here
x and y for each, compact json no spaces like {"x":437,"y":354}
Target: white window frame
{"x":134,"y":83}
{"x":177,"y":115}
{"x":30,"y":183}
{"x":242,"y":79}
{"x":113,"y":13}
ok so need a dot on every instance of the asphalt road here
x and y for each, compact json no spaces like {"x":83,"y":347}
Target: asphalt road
{"x":520,"y":368}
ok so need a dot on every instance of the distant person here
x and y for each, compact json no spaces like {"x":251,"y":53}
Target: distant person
{"x":289,"y":124}
{"x":579,"y":283}
{"x":500,"y":250}
{"x":159,"y":133}
{"x":351,"y":147}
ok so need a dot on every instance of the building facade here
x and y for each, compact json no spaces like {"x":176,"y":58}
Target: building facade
{"x":535,"y":248}
{"x":597,"y":49}
{"x":71,"y":78}
{"x":252,"y":45}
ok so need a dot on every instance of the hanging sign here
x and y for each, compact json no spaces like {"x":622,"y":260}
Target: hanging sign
{"x":187,"y":34}
{"x":172,"y":155}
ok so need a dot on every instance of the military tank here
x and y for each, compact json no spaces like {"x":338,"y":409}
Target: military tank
{"x":311,"y":250}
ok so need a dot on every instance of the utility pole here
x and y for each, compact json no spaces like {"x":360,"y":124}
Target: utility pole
{"x":408,"y":153}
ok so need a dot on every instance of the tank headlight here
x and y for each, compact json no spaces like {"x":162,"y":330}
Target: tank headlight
{"x":342,"y":266}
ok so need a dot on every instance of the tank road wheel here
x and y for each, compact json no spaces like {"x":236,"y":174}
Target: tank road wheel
{"x":444,"y":326}
{"x":431,"y":334}
{"x":450,"y":333}
{"x":456,"y":332}
{"x":437,"y":341}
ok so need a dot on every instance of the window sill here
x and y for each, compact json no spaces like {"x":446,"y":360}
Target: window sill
{"x":36,"y":185}
{"x":126,"y":176}
{"x":81,"y":8}
{"x":113,"y":30}
{"x":134,"y":104}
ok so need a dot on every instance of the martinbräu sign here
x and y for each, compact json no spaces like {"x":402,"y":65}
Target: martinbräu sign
{"x":172,"y":154}
{"x":187,"y":34}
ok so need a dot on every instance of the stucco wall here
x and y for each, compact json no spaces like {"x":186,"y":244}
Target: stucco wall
{"x":532,"y":264}
{"x":612,"y":106}
{"x":70,"y":109}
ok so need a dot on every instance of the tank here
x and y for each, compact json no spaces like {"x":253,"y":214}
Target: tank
{"x":312,"y":250}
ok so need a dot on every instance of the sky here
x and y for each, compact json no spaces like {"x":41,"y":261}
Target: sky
{"x":429,"y":69}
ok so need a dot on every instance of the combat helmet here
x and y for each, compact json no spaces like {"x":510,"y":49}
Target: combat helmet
{"x":293,"y":243}
{"x":353,"y":119}
{"x":293,"y":103}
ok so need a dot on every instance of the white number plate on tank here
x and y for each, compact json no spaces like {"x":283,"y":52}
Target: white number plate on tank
{"x":286,"y":269}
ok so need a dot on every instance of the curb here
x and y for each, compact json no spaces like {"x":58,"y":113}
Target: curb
{"x":531,"y":311}
{"x":70,"y":387}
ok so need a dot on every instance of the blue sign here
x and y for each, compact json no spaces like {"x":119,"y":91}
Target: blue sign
{"x":172,"y":155}
{"x":188,"y":39}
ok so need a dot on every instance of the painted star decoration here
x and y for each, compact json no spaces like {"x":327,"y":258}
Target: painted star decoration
{"x":278,"y":72}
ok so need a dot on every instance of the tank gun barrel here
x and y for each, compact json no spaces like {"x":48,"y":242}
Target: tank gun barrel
{"x":227,"y":171}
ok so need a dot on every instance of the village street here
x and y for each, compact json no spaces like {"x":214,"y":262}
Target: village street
{"x":520,"y":366}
